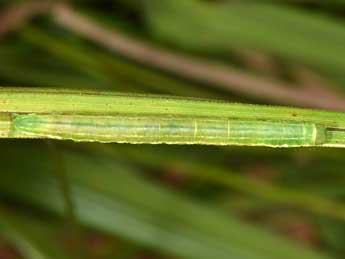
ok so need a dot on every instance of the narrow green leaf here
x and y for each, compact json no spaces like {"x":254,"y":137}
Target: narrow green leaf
{"x":35,"y":239}
{"x":291,"y":33}
{"x":115,"y":117}
{"x":109,"y":198}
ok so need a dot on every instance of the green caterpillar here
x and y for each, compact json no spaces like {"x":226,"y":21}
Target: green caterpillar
{"x":169,"y":130}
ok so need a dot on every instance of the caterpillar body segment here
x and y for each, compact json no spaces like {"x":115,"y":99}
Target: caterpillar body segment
{"x":169,"y":130}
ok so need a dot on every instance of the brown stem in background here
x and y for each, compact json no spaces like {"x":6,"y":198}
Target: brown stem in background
{"x":217,"y":75}
{"x":221,"y":76}
{"x":13,"y":17}
{"x":314,"y":83}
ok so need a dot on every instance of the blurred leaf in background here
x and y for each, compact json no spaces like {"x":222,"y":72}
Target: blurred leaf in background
{"x":174,"y":201}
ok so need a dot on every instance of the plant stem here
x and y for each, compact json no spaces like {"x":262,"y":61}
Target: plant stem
{"x":85,"y":112}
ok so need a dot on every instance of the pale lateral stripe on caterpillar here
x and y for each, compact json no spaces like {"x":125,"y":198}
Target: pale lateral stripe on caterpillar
{"x":170,"y":130}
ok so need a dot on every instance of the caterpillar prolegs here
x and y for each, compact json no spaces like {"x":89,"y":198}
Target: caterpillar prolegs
{"x":169,"y":130}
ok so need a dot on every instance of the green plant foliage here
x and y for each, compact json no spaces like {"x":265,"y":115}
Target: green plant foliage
{"x":219,"y":27}
{"x":35,"y":239}
{"x":61,"y":199}
{"x":110,"y":203}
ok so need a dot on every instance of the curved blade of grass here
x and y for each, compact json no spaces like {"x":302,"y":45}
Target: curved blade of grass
{"x":224,"y":177}
{"x":110,"y":198}
{"x":110,"y":68}
{"x":217,"y":27}
{"x":33,"y":238}
{"x":219,"y":76}
{"x":17,"y":71}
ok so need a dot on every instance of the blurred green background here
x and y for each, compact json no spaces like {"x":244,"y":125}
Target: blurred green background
{"x":68,"y":200}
